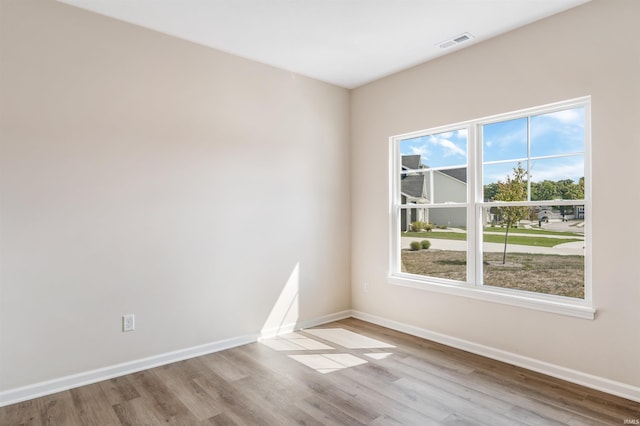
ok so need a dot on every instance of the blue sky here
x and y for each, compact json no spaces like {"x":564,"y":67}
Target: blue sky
{"x":438,"y":150}
{"x":557,"y":133}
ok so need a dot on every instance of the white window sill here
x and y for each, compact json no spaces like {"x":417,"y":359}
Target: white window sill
{"x":541,"y":302}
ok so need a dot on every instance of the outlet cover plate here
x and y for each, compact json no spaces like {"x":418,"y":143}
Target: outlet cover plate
{"x":128,"y":322}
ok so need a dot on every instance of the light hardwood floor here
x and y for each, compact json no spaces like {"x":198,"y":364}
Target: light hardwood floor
{"x":311,"y":378}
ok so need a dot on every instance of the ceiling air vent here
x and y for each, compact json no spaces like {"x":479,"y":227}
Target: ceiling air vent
{"x":464,"y":37}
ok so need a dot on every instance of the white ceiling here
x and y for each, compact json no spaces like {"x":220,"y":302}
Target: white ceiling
{"x":344,"y":42}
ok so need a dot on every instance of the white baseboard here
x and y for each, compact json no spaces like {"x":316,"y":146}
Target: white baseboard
{"x":594,"y":382}
{"x":49,"y":387}
{"x":36,"y":390}
{"x":291,"y":327}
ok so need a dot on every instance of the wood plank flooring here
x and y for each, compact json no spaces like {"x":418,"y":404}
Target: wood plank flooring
{"x":403,"y":381}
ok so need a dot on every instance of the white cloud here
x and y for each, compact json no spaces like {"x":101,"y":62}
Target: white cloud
{"x":494,"y":177}
{"x":462,"y":133}
{"x":446,"y":135}
{"x":554,"y":172}
{"x":451,"y":148}
{"x":511,"y":139}
{"x":419,"y":150}
{"x":568,"y":124}
{"x":566,"y":116}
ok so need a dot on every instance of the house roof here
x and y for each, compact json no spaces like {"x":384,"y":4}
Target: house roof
{"x":460,"y":174}
{"x":412,"y":186}
{"x":411,"y":162}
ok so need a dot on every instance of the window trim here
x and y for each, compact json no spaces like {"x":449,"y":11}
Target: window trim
{"x":581,"y":308}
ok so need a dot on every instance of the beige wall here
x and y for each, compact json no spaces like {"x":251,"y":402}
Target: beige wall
{"x":593,"y":50}
{"x":143,"y":174}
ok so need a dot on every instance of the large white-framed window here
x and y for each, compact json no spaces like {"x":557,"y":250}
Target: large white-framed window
{"x":497,"y":208}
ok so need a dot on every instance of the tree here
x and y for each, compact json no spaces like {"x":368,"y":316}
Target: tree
{"x":514,"y":189}
{"x":490,"y":191}
{"x":545,"y":190}
{"x":572,"y":191}
{"x":565,"y":189}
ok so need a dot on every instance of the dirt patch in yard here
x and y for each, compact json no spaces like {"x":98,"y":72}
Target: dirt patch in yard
{"x":541,"y":273}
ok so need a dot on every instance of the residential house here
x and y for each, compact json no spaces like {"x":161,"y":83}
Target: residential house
{"x":448,"y":186}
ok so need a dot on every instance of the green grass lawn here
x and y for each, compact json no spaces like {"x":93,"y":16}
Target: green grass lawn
{"x":461,"y":236}
{"x":489,"y":238}
{"x":530,"y":241}
{"x":532,"y":231}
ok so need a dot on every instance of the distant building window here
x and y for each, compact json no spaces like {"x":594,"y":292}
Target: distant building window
{"x":503,"y":201}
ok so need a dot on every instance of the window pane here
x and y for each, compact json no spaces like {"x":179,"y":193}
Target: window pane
{"x":544,"y":250}
{"x":557,"y":178}
{"x":447,"y":255}
{"x":436,"y":150}
{"x":504,"y":140}
{"x":557,"y":133}
{"x":493,"y":174}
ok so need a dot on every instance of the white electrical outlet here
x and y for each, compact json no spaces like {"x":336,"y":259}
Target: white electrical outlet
{"x":366,"y":287}
{"x":128,"y":322}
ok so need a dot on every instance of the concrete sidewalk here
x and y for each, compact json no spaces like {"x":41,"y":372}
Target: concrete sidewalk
{"x":574,"y":248}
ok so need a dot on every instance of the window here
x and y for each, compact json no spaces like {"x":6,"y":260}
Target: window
{"x":504,"y":205}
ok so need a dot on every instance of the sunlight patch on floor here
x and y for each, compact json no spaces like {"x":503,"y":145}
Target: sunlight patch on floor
{"x":294,"y":342}
{"x":328,"y":363}
{"x":379,"y":355}
{"x":348,"y":339}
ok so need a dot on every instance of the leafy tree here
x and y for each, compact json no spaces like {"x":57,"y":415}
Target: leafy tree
{"x":490,"y":191}
{"x":565,"y":189}
{"x":574,"y":191}
{"x":513,"y":189}
{"x":545,"y":190}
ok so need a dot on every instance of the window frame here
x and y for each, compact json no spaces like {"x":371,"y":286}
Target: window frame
{"x":581,"y":308}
